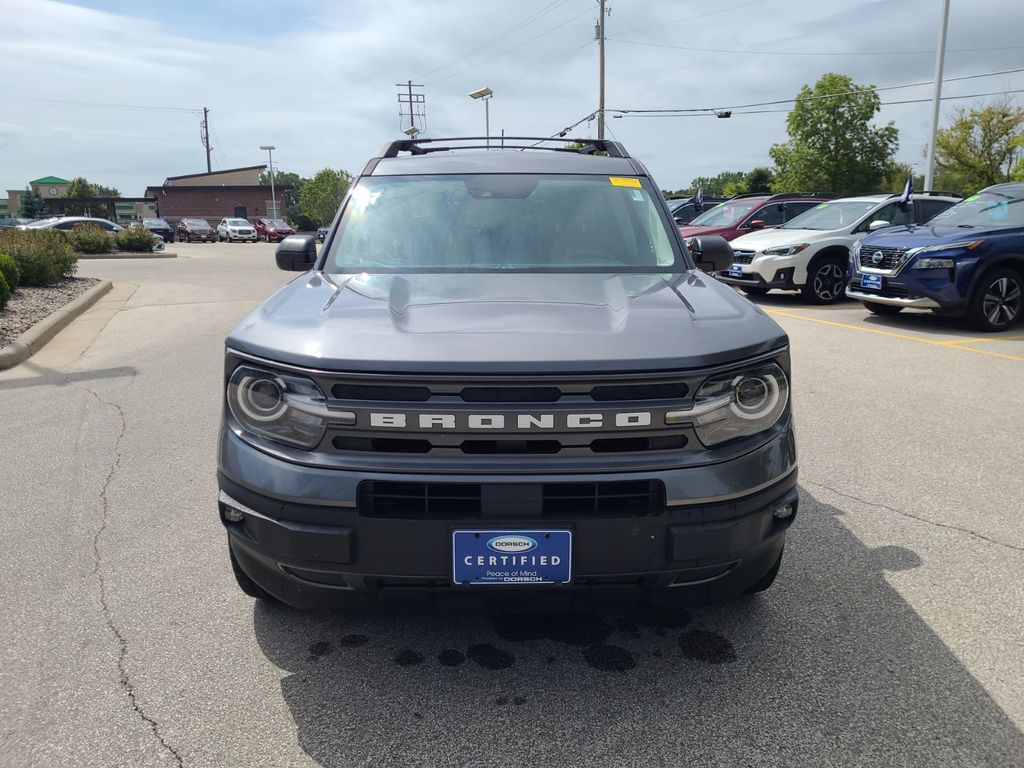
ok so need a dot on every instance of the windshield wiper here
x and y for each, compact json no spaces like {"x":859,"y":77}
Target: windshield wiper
{"x":965,"y":226}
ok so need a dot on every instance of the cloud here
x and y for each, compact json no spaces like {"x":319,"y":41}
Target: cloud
{"x":317,"y":78}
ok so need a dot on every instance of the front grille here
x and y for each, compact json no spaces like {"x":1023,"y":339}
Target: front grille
{"x":743,"y":257}
{"x":890,"y":260}
{"x":468,"y":501}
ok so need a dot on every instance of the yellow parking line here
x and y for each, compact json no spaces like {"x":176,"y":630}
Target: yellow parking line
{"x":904,"y":336}
{"x":954,"y":342}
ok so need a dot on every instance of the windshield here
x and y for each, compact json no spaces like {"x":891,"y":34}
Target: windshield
{"x":154,"y":223}
{"x":724,"y":214}
{"x":43,"y":222}
{"x":237,"y":223}
{"x":196,"y":223}
{"x":831,"y":215}
{"x":986,"y":209}
{"x":276,"y":223}
{"x":523,"y":222}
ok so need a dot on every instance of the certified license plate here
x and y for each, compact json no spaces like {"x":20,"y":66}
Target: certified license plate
{"x":735,"y":271}
{"x":512,"y":557}
{"x":871,"y":281}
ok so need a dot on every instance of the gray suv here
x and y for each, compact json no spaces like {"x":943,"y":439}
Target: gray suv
{"x":504,"y":380}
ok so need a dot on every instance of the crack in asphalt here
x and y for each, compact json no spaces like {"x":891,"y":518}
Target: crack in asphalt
{"x":108,"y":617}
{"x":918,"y":518}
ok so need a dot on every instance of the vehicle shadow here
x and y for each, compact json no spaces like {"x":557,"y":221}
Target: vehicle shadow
{"x":830,"y":667}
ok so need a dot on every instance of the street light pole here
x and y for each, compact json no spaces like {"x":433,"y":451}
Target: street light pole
{"x":940,"y":55}
{"x":484,"y":94}
{"x":270,"y":156}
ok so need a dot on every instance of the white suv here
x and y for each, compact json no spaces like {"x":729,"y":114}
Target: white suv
{"x":236,"y":229}
{"x":811,"y":253}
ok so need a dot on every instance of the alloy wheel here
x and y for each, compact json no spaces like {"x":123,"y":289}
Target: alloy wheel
{"x":1002,"y":301}
{"x":829,"y":282}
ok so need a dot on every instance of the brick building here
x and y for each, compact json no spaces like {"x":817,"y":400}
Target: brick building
{"x":212,"y":196}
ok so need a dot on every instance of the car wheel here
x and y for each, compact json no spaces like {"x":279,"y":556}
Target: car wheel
{"x":754,"y":290}
{"x":769,"y":577}
{"x":826,"y":281}
{"x":997,"y":302}
{"x":246,"y":584}
{"x":188,"y":238}
{"x":881,"y":309}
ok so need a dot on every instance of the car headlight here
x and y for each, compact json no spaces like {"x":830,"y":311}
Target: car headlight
{"x":967,"y":245}
{"x":785,"y":250}
{"x":277,"y":406}
{"x":737,"y":404}
{"x":927,"y":263}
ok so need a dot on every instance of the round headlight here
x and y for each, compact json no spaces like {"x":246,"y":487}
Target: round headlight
{"x":756,"y":396}
{"x":261,"y":398}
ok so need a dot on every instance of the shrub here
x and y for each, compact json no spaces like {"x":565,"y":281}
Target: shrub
{"x":5,"y":291}
{"x":135,"y":239}
{"x":89,"y":238}
{"x":43,"y":256}
{"x":10,"y":271}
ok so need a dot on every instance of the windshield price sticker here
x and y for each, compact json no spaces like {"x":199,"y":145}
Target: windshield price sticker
{"x":624,"y":181}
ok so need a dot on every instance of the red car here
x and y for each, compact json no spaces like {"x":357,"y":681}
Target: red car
{"x":745,"y":213}
{"x":273,"y":230}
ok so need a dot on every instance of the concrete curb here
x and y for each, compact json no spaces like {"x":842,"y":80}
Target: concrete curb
{"x":129,"y":255}
{"x":36,"y":337}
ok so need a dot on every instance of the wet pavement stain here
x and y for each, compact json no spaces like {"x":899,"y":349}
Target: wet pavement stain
{"x":489,"y":657}
{"x":449,"y":657}
{"x":579,"y":629}
{"x":408,"y":658}
{"x":353,"y":641}
{"x":316,"y":650}
{"x":710,"y":647}
{"x":609,"y":658}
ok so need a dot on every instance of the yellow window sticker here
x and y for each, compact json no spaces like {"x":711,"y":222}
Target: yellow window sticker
{"x":624,"y":181}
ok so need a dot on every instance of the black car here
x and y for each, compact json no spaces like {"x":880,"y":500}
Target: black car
{"x":196,"y":229}
{"x":321,"y":233}
{"x":684,"y":209}
{"x":505,"y":380}
{"x":160,"y":227}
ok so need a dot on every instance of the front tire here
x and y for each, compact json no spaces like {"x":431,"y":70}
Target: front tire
{"x":881,"y":309}
{"x":246,"y":584}
{"x":997,"y":302}
{"x":826,"y":281}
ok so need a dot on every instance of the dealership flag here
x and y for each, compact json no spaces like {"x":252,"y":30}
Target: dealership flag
{"x":698,"y":197}
{"x":908,"y":190}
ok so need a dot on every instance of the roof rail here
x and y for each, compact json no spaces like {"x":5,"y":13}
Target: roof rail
{"x":786,"y":195}
{"x":415,"y":146}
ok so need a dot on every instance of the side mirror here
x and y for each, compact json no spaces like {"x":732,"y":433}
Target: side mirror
{"x":711,"y":253}
{"x":878,"y":224}
{"x":296,"y":253}
{"x":756,"y":224}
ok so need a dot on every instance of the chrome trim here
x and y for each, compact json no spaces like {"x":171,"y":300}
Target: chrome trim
{"x":226,"y":500}
{"x":921,"y":302}
{"x":732,"y":496}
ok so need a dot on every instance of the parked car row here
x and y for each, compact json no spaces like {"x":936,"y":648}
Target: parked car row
{"x":953,"y":256}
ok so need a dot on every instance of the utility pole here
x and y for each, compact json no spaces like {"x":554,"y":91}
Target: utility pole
{"x":204,"y":133}
{"x":600,"y":40}
{"x":940,"y":55}
{"x":417,"y":104}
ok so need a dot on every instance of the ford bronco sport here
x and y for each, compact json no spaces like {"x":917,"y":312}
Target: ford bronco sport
{"x":503,"y":379}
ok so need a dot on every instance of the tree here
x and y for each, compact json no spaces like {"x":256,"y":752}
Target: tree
{"x":896,"y":178}
{"x":981,"y":147}
{"x":760,"y":179}
{"x":832,"y":145}
{"x":293,"y":184}
{"x":321,"y":196}
{"x":715,"y":185}
{"x":32,"y":206}
{"x":78,"y":195}
{"x":102,"y":191}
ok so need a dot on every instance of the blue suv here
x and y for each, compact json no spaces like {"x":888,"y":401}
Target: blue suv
{"x":967,"y":261}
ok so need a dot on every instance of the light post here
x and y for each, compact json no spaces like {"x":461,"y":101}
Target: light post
{"x":270,"y":156}
{"x":484,"y":94}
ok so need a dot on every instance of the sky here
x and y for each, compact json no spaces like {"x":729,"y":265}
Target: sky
{"x":113,"y":90}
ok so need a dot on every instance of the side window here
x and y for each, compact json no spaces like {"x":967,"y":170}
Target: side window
{"x":770,"y":214}
{"x":794,"y":209}
{"x":895,"y":215}
{"x":926,"y":209}
{"x":65,"y":225}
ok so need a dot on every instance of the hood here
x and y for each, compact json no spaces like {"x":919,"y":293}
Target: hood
{"x":515,"y":323}
{"x":766,"y":238}
{"x":916,"y":237}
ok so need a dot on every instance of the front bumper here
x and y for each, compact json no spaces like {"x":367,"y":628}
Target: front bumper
{"x":781,"y":279}
{"x":305,"y":540}
{"x":939,"y":290}
{"x":243,"y":238}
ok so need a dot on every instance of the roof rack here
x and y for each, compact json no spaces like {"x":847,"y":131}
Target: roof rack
{"x":590,"y":146}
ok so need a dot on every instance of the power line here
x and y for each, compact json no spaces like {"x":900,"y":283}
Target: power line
{"x":510,"y":50}
{"x":514,"y":28}
{"x":823,"y":96}
{"x":95,"y":104}
{"x":812,"y":53}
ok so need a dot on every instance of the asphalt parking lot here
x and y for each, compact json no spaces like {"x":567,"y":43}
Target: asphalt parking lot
{"x":893,"y":637}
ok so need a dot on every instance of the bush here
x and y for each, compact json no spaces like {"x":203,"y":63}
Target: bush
{"x":10,"y":271}
{"x":43,"y":256}
{"x":5,"y":291}
{"x":135,"y":239}
{"x":89,"y":238}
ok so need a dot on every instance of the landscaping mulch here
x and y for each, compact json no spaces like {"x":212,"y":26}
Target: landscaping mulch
{"x":30,"y":305}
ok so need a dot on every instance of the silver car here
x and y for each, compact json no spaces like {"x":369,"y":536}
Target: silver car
{"x":231,"y":230}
